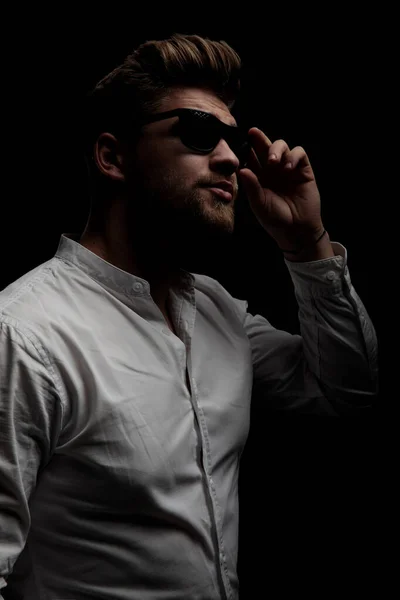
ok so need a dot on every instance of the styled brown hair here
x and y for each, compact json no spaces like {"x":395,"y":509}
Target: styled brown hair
{"x":135,"y":88}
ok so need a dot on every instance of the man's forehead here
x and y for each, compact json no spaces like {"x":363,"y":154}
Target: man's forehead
{"x":199,"y":99}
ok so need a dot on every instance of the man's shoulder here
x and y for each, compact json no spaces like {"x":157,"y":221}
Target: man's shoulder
{"x":31,"y":298}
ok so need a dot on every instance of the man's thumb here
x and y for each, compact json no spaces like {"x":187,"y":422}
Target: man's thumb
{"x":250,"y":182}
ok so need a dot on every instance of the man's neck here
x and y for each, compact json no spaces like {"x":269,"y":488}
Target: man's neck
{"x":159,"y":278}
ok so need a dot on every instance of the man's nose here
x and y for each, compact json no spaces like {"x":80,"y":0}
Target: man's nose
{"x":224,"y":155}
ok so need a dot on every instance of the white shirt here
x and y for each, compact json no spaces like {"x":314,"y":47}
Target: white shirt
{"x":120,"y":477}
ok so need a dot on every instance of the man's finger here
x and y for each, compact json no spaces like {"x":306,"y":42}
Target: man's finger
{"x":255,"y":132}
{"x":254,"y":164}
{"x":268,"y":153}
{"x":297,"y":157}
{"x":278,"y":152}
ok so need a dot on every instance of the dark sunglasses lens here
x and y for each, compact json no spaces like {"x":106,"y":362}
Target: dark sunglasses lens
{"x":199,"y":136}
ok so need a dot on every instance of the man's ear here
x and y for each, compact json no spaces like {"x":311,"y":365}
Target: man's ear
{"x":108,"y":156}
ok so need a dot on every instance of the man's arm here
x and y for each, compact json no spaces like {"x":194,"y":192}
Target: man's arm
{"x":335,"y":358}
{"x":30,"y":418}
{"x":331,"y":368}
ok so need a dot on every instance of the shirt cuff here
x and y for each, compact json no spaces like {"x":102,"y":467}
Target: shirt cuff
{"x":321,"y":277}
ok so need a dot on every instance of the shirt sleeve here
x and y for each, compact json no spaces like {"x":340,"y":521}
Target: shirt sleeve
{"x":30,"y":418}
{"x":331,"y":368}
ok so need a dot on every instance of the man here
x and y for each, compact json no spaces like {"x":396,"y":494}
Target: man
{"x":125,"y":380}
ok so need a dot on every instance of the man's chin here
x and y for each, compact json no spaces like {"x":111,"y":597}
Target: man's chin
{"x":190,"y":239}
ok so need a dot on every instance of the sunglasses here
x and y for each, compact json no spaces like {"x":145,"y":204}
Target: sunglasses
{"x":201,"y":131}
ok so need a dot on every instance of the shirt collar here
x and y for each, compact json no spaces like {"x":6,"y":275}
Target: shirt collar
{"x":70,"y":250}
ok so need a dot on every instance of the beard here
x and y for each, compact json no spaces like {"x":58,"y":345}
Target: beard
{"x":177,"y":226}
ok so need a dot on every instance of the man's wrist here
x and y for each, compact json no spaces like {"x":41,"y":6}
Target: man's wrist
{"x":318,"y":250}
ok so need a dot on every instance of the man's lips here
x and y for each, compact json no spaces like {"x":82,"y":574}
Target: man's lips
{"x":224,"y":189}
{"x":222,"y":193}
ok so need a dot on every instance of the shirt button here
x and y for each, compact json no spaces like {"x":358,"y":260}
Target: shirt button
{"x":137,"y":286}
{"x":331,"y":275}
{"x":166,"y":331}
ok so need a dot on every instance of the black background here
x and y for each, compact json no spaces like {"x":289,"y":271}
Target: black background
{"x":305,"y":484}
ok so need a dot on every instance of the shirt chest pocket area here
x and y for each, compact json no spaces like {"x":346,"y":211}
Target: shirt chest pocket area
{"x":125,"y":448}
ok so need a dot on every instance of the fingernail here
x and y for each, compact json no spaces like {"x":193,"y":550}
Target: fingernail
{"x":273,"y":157}
{"x":288,"y":165}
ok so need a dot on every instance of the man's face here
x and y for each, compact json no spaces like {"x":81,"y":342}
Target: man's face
{"x":170,"y":184}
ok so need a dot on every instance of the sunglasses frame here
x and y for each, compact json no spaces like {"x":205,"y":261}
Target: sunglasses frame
{"x":232,"y":134}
